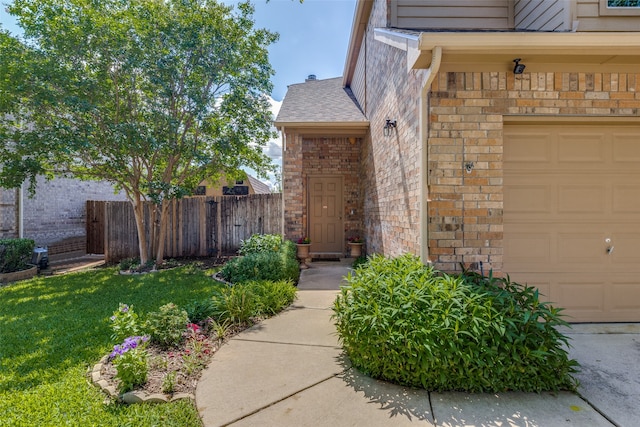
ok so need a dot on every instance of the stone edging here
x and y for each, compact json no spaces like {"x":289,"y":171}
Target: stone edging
{"x":218,"y":278}
{"x":6,"y":278}
{"x":135,"y":396}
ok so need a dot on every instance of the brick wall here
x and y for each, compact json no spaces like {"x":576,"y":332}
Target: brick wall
{"x":320,"y":156}
{"x":57,"y":211}
{"x":391,"y":170}
{"x":293,"y":188}
{"x":466,"y":121}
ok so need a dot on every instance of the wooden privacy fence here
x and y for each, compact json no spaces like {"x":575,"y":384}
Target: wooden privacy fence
{"x":196,"y":226}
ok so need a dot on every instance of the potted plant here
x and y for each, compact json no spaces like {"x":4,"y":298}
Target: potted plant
{"x":303,"y":244}
{"x":355,"y":246}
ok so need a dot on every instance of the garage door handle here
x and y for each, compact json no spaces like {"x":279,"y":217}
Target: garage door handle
{"x":609,"y":250}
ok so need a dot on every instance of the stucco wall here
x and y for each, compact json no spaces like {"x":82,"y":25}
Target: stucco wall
{"x":466,"y":121}
{"x":57,"y":211}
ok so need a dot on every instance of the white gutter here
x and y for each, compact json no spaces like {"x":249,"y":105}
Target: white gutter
{"x":431,"y":74}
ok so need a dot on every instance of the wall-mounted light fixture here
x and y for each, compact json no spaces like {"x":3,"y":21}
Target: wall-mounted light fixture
{"x":389,"y":126}
{"x":469,"y":166}
{"x":518,"y":68}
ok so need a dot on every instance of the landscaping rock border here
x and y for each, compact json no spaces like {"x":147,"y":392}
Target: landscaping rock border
{"x":6,"y":278}
{"x":131,"y":397}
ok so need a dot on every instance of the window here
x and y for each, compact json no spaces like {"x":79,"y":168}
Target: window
{"x":201,"y":190}
{"x":239,"y":182}
{"x":235,"y":191}
{"x":619,"y":7}
{"x":623,"y":3}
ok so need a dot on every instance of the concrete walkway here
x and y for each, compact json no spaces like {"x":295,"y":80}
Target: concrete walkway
{"x":290,"y":371}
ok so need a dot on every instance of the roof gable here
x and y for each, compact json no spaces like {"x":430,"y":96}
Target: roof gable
{"x":319,"y":101}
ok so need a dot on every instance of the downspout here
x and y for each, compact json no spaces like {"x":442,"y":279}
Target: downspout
{"x":282,"y":210}
{"x":20,"y":211}
{"x":431,"y":74}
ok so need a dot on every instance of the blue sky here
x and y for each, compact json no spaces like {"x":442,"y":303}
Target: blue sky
{"x":313,"y":38}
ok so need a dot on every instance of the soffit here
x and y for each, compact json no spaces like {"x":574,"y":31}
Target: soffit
{"x":540,"y":52}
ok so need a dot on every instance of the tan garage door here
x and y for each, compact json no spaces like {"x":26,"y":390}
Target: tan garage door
{"x":572,"y":216}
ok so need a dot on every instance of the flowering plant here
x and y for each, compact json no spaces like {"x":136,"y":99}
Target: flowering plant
{"x":198,"y":349}
{"x":130,"y":361}
{"x":304,"y":240}
{"x":124,"y":323}
{"x":356,"y":239}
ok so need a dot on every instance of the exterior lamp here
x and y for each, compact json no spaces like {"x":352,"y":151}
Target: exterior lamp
{"x":388,"y":126}
{"x":518,"y":68}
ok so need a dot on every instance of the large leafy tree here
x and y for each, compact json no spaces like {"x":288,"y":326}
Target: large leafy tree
{"x":150,"y":95}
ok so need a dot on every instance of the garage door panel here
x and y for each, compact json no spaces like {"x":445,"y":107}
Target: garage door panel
{"x":626,"y":252}
{"x":626,"y":199}
{"x":625,"y":147}
{"x":579,"y":297}
{"x":625,"y":296}
{"x":579,"y":248}
{"x":528,"y":148}
{"x":581,"y":148}
{"x":529,"y":248}
{"x":587,"y":199}
{"x":580,"y":187}
{"x":529,"y":198}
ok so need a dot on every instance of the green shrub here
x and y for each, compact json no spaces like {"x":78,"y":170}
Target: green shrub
{"x":261,"y":243}
{"x":272,"y":296}
{"x":403,"y":322}
{"x":358,"y":262}
{"x":242,"y":302}
{"x":167,"y":326}
{"x":130,"y":361}
{"x":15,"y":254}
{"x":236,"y":304}
{"x":265,"y":265}
{"x":199,"y":311}
{"x":124,"y":323}
{"x":128,"y":263}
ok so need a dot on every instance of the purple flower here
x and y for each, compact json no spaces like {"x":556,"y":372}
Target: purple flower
{"x":129,"y":344}
{"x":124,"y":308}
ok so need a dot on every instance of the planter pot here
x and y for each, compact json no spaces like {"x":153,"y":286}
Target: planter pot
{"x":303,"y":250}
{"x":19,"y":275}
{"x":355,"y":249}
{"x":303,"y":253}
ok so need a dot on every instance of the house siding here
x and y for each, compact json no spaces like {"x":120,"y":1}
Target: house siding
{"x":466,"y":122}
{"x":546,"y":15}
{"x":56,"y":212}
{"x":451,"y":14}
{"x":358,"y":82}
{"x":589,"y":18}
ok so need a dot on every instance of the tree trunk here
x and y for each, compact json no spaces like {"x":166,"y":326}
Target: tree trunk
{"x":153,"y":231}
{"x":162,"y":232}
{"x":138,"y":213}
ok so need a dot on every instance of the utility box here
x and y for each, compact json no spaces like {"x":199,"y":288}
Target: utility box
{"x":40,"y":257}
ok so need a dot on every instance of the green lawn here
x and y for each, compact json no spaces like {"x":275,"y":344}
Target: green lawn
{"x":53,"y":329}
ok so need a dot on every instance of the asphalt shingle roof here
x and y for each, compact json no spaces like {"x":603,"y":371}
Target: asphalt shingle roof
{"x":320,"y":101}
{"x":259,"y":187}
